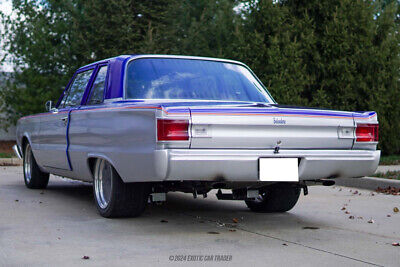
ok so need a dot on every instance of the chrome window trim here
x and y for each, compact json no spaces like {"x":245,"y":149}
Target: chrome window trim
{"x":265,"y":92}
{"x":110,"y":100}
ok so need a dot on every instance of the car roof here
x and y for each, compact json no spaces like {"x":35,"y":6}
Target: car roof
{"x":127,"y":57}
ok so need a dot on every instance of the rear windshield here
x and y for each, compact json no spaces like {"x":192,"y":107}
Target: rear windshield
{"x":172,"y":78}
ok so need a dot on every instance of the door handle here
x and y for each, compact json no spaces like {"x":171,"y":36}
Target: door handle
{"x":65,"y":120}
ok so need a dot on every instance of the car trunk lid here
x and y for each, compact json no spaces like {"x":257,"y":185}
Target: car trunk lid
{"x":268,"y":126}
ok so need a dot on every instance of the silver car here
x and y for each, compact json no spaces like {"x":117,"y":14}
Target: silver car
{"x":139,"y":126}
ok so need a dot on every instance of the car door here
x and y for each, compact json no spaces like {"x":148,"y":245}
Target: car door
{"x":88,"y":126}
{"x":54,"y":126}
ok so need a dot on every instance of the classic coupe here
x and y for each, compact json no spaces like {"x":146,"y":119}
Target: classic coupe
{"x":139,"y":126}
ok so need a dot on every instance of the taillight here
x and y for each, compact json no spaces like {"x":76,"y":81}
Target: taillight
{"x":172,"y":130}
{"x":367,"y":133}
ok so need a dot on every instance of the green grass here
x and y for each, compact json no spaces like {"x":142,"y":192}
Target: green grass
{"x":390,"y":160}
{"x":395,"y":175}
{"x":6,"y":155}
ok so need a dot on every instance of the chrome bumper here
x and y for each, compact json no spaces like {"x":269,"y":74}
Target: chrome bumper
{"x":242,"y":165}
{"x":17,"y":152}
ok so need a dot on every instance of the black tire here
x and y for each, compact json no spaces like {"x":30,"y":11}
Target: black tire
{"x":34,"y":178}
{"x":123,"y":199}
{"x":275,"y":198}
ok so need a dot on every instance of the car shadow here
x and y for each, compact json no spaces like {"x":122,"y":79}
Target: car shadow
{"x":180,"y":206}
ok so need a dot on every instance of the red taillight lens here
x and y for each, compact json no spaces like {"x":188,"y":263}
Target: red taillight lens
{"x":172,"y":130}
{"x":367,"y":132}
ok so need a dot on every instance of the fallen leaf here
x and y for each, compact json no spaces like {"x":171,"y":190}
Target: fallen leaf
{"x":371,"y":221}
{"x":164,"y":221}
{"x":344,"y":208}
{"x":235,"y":220}
{"x":396,"y":244}
{"x":347,"y":212}
{"x":372,"y":194}
{"x":40,"y":202}
{"x":16,"y":200}
{"x":388,"y":215}
{"x":58,"y":238}
{"x":396,"y":209}
{"x":85,"y":257}
{"x":389,"y":190}
{"x":284,"y":244}
{"x":355,"y":192}
{"x":232,"y":230}
{"x":351,"y":217}
{"x":213,"y":233}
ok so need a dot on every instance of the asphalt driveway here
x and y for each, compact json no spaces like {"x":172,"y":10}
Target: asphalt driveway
{"x":60,"y":225}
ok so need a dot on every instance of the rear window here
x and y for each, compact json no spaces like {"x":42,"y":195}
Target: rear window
{"x":172,"y":78}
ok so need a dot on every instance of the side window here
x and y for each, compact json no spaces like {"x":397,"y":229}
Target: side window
{"x":96,"y":94}
{"x":75,"y":93}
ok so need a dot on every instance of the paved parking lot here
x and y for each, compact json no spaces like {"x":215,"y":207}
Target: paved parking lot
{"x":60,"y":225}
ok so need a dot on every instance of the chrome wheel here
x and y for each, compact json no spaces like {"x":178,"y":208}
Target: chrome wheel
{"x":102,"y":183}
{"x":28,"y":163}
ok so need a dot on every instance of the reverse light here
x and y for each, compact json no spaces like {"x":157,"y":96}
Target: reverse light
{"x":367,"y":133}
{"x":172,"y":130}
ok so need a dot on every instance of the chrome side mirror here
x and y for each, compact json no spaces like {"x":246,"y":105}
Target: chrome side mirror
{"x":49,"y":106}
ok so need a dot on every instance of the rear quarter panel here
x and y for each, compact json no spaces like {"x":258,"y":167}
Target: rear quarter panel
{"x":125,"y":136}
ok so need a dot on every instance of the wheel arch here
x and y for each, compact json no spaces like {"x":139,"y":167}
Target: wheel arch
{"x":91,"y":162}
{"x":24,"y":141}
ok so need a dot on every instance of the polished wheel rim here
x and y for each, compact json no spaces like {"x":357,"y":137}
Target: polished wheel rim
{"x":102,"y":183}
{"x":27,"y":163}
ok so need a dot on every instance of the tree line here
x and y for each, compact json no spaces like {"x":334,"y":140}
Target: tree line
{"x":337,"y":54}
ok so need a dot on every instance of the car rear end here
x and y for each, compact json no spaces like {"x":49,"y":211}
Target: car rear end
{"x":263,"y":144}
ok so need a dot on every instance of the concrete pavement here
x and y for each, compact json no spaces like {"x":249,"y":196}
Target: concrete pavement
{"x":60,"y":225}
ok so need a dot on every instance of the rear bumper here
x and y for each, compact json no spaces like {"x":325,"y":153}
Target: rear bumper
{"x":242,"y":165}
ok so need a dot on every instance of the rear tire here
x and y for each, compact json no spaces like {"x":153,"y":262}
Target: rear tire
{"x":113,"y":197}
{"x":34,"y":178}
{"x":275,"y":198}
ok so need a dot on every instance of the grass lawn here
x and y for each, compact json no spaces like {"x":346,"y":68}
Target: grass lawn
{"x":7,"y":155}
{"x":395,"y":175}
{"x":390,"y":160}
